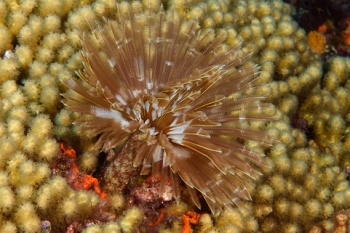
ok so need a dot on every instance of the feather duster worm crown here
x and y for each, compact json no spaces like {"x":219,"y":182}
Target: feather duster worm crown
{"x":185,"y":91}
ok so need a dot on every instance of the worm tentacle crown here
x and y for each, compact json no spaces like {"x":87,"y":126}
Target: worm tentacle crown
{"x":185,"y":90}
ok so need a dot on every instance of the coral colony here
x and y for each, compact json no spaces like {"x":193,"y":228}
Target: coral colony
{"x":56,"y":176}
{"x":184,"y":98}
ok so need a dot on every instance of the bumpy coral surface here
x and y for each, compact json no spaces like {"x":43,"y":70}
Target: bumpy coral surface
{"x":304,"y":185}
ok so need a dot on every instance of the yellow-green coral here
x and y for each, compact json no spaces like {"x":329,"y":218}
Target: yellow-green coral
{"x":327,"y":109}
{"x":39,"y":45}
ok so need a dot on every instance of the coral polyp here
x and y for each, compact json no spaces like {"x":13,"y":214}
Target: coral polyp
{"x":183,"y":96}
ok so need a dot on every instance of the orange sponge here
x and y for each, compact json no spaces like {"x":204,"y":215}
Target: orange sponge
{"x":317,"y":42}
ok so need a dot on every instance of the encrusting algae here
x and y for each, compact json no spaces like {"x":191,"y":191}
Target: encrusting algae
{"x":44,"y":189}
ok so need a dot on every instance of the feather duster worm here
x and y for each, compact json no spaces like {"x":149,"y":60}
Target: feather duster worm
{"x":154,"y":74}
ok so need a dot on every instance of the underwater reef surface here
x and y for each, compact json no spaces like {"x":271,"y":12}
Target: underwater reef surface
{"x":50,"y":170}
